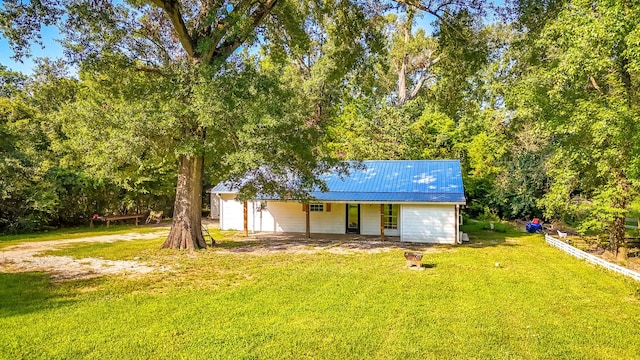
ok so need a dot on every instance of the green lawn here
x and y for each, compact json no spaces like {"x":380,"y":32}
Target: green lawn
{"x":538,"y":303}
{"x":75,"y":233}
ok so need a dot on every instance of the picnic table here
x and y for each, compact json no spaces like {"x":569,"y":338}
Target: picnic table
{"x":109,"y":219}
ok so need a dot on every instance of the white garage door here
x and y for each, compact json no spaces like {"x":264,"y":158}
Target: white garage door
{"x":428,"y":224}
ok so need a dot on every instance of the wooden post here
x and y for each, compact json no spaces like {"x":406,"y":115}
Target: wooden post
{"x":308,"y":221}
{"x":382,"y":221}
{"x":246,"y":220}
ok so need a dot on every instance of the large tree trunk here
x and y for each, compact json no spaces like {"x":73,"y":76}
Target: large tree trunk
{"x":186,"y":230}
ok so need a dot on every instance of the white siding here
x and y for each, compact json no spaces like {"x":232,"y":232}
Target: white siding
{"x":417,"y":223}
{"x":329,"y":222}
{"x":370,"y":219}
{"x":264,"y":219}
{"x":231,"y":213}
{"x":428,"y":223}
{"x":215,"y":206}
{"x":288,"y":217}
{"x":282,"y":216}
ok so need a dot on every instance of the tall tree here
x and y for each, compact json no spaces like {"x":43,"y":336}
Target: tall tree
{"x":412,"y":56}
{"x":582,"y":84}
{"x":183,"y":43}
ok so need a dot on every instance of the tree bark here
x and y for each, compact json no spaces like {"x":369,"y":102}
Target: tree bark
{"x":616,"y":235}
{"x":402,"y":71}
{"x":617,"y":230}
{"x":186,"y":229}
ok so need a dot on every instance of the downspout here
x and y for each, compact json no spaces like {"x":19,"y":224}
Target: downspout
{"x":220,"y":218}
{"x":210,"y":204}
{"x":253,"y":217}
{"x":382,"y":222}
{"x":457,"y":236}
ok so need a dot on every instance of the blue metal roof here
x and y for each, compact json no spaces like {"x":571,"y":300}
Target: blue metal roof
{"x":392,"y":181}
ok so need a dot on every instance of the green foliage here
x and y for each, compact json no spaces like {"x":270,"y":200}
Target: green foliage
{"x":10,"y":82}
{"x":586,"y":98}
{"x":541,"y":111}
{"x":42,"y":181}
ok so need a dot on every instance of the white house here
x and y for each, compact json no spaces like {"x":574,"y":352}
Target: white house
{"x":416,"y":200}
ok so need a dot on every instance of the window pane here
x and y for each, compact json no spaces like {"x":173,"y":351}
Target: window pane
{"x":391,"y":216}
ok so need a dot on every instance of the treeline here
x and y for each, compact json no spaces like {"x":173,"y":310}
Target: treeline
{"x":43,"y":184}
{"x":540,"y":104}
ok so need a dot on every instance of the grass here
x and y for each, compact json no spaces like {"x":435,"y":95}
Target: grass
{"x":142,"y":249}
{"x":74,"y":233}
{"x":538,"y":303}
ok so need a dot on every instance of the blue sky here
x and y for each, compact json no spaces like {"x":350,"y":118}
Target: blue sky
{"x":52,"y":49}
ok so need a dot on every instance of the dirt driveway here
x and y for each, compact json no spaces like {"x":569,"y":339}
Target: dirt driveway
{"x":26,"y":257}
{"x":340,"y":244}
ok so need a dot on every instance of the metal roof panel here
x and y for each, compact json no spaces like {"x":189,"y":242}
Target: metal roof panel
{"x":393,"y":181}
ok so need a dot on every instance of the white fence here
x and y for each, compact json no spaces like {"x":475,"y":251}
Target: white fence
{"x":590,"y":258}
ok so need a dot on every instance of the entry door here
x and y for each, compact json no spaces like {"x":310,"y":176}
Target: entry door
{"x":353,"y":218}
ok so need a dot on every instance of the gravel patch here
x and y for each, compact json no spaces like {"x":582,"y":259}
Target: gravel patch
{"x":26,"y":258}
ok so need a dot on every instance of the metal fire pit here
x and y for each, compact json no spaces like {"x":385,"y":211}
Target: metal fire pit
{"x":413,"y":259}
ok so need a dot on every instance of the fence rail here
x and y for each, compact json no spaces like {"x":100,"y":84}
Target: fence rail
{"x":591,"y":258}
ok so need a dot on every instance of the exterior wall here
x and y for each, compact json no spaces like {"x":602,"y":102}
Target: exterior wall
{"x":329,"y":222}
{"x":283,"y":216}
{"x":428,"y":223}
{"x":231,"y":213}
{"x":370,"y":219}
{"x":279,"y":216}
{"x":215,"y":206}
{"x":263,"y":219}
{"x":417,"y":223}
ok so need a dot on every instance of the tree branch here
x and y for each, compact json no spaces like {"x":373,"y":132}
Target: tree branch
{"x":172,"y":9}
{"x":435,"y":12}
{"x":222,"y":26}
{"x":229,"y":45}
{"x":148,"y":69}
{"x":594,"y":83}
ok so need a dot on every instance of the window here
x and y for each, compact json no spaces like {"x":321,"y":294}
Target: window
{"x":391,"y":216}
{"x":316,"y":207}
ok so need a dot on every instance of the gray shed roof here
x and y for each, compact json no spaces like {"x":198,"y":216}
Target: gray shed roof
{"x":433,"y":181}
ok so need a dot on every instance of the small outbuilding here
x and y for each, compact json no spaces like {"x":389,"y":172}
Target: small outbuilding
{"x":415,"y":200}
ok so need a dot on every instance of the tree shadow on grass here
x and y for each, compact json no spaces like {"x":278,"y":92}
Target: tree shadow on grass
{"x":24,"y":293}
{"x":298,"y":243}
{"x":482,"y":238}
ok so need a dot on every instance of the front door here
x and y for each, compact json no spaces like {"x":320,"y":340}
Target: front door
{"x":353,"y":218}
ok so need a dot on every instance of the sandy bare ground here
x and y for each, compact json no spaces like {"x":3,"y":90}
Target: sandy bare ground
{"x":266,"y":244}
{"x":26,"y":257}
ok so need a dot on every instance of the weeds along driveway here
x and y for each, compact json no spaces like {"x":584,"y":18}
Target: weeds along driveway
{"x":25,"y":257}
